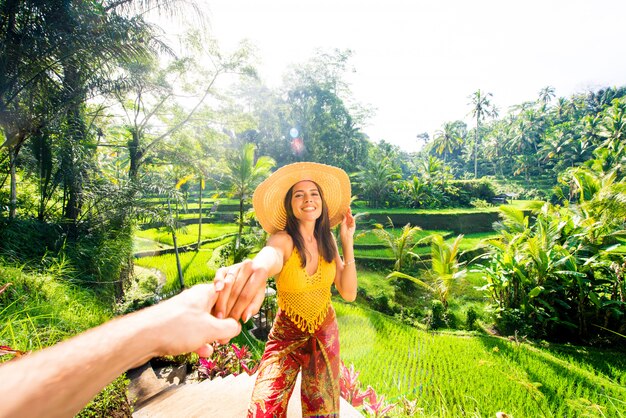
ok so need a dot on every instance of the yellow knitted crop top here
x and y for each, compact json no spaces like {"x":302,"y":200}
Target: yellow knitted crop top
{"x":305,"y":299}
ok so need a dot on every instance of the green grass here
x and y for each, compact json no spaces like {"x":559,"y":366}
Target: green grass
{"x":518,"y":204}
{"x":38,"y":310}
{"x":471,"y":241}
{"x":472,"y":375}
{"x":147,"y":244}
{"x":188,"y":234}
{"x":206,"y":217}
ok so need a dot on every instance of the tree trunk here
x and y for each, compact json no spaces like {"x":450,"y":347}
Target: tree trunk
{"x":476,"y":149}
{"x":179,"y":268}
{"x":238,"y":242}
{"x":200,"y":216}
{"x":13,"y":201}
{"x":75,"y":139}
{"x":134,"y":154}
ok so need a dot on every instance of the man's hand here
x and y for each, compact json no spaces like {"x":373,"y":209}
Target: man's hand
{"x":185,"y":322}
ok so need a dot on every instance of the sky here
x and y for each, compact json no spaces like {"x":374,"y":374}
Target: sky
{"x":417,"y":61}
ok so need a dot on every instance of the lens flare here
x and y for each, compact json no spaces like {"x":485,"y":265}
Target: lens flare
{"x":297,"y":146}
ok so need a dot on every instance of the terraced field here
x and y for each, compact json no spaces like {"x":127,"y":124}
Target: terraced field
{"x":477,"y":375}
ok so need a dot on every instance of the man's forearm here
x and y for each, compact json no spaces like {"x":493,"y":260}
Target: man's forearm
{"x":72,"y":372}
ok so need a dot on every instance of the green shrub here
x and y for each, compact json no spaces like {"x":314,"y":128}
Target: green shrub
{"x":437,"y":318}
{"x":381,"y":303}
{"x":462,"y":192}
{"x":513,"y":321}
{"x":141,"y":293}
{"x":471,"y":317}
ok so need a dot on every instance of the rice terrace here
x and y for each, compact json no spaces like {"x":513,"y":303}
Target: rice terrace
{"x":490,"y":247}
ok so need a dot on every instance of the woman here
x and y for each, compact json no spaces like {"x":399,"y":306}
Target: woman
{"x":298,"y":205}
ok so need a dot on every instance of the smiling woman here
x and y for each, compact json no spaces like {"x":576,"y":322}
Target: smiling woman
{"x":298,"y":205}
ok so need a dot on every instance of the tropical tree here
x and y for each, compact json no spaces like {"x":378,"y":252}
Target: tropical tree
{"x":54,"y":55}
{"x":243,"y":173}
{"x":149,"y":98}
{"x":327,"y":124}
{"x":399,"y":244}
{"x":376,"y":180}
{"x":416,"y":191}
{"x":447,"y":140}
{"x":559,"y":275}
{"x":481,"y":108}
{"x":546,"y":95}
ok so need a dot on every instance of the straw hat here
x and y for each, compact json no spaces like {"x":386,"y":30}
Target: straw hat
{"x":269,"y":196}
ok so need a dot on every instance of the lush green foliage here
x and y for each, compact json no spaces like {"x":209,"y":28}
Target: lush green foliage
{"x":445,"y":267}
{"x":557,"y":276}
{"x":477,"y":375}
{"x":400,"y":244}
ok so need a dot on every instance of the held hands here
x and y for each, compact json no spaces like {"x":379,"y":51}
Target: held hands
{"x":241,"y":290}
{"x":184,"y":323}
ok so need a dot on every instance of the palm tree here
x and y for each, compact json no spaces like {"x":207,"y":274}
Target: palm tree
{"x":53,"y":54}
{"x":546,"y":95}
{"x":400,"y":245}
{"x":417,"y":191}
{"x":448,"y":139}
{"x":481,"y":108}
{"x":242,"y":175}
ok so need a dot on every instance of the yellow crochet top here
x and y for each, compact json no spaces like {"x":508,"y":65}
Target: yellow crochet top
{"x":305,"y":299}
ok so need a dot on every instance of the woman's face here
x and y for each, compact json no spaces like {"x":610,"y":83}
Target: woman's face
{"x":306,"y":202}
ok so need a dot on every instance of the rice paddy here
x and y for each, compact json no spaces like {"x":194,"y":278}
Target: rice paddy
{"x":475,"y":375}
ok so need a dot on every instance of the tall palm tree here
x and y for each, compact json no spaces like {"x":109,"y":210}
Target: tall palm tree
{"x":481,"y":108}
{"x":242,"y":175}
{"x":546,"y":95}
{"x":53,"y":54}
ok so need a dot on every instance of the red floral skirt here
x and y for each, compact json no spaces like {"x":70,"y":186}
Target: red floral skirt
{"x":289,"y":351}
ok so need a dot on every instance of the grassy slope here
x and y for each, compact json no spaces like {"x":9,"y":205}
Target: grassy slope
{"x":194,"y":265}
{"x":454,"y":375}
{"x":39,"y":310}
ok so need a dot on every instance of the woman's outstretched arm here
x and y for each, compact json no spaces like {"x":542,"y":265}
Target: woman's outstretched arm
{"x":242,"y":286}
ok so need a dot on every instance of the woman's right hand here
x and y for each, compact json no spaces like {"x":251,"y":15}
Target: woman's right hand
{"x":241,"y":290}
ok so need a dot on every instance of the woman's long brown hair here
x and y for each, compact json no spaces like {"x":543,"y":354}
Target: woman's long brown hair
{"x":325,"y":240}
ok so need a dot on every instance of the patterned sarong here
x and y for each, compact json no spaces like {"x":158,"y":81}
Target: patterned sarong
{"x":289,"y":350}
